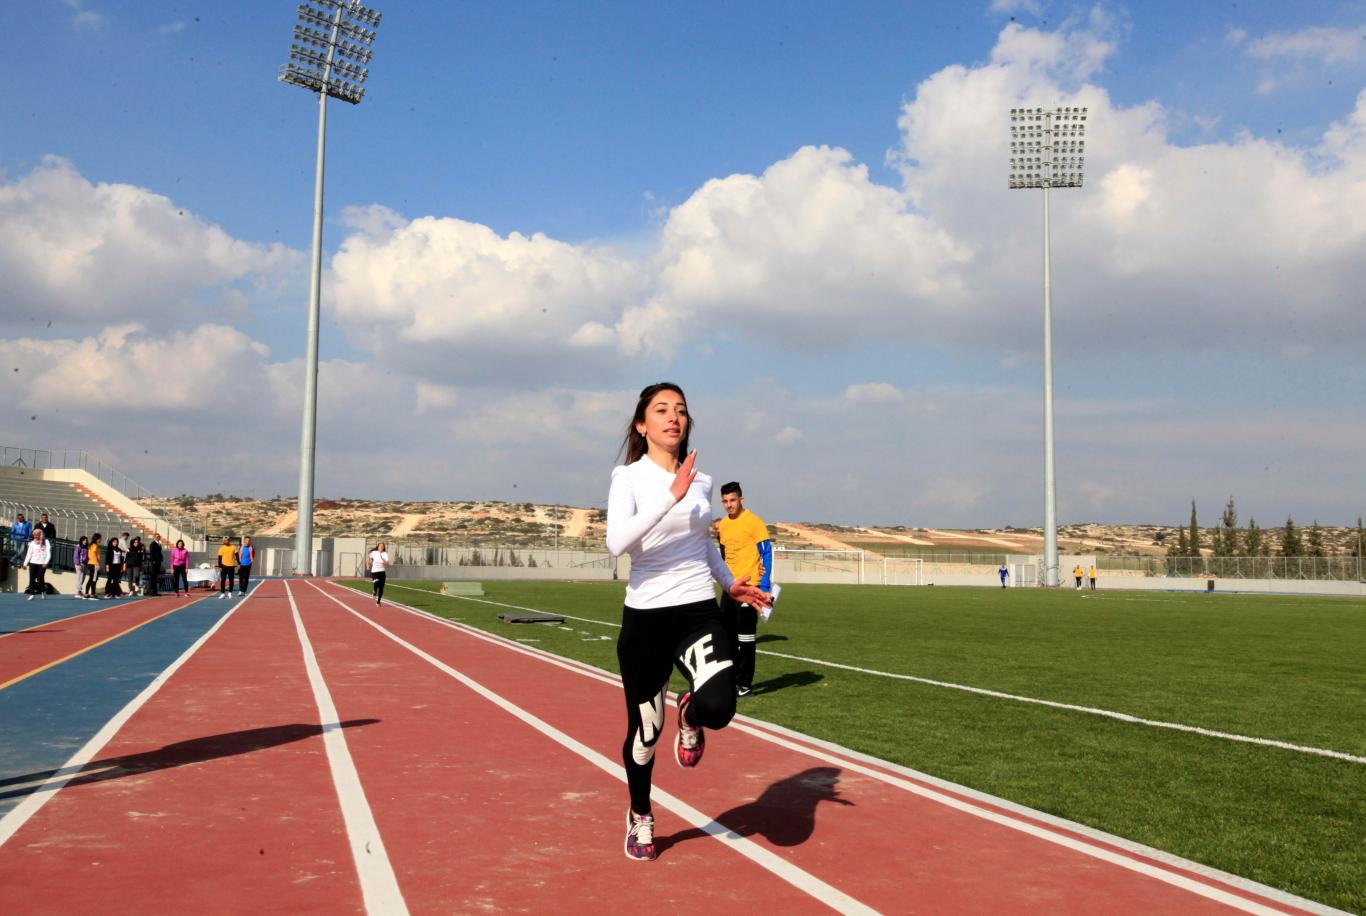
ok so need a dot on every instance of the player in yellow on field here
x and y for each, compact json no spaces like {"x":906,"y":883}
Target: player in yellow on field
{"x":748,"y":552}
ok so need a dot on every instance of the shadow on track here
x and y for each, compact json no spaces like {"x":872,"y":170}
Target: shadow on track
{"x":196,"y":750}
{"x":791,"y":679}
{"x":785,"y":814}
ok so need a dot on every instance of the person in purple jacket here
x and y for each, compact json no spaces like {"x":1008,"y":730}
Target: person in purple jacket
{"x":78,"y":558}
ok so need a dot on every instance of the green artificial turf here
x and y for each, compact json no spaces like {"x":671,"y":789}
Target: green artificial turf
{"x":1291,"y":669}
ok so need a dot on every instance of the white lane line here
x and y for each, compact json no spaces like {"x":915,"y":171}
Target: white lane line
{"x":1000,"y":695}
{"x":32,"y":803}
{"x":767,"y":731}
{"x":802,"y":880}
{"x":378,"y":883}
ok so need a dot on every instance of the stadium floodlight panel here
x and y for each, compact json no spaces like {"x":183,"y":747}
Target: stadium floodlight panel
{"x":331,"y":48}
{"x":1047,"y":147}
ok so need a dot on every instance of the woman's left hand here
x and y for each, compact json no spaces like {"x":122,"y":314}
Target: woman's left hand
{"x":745,"y":593}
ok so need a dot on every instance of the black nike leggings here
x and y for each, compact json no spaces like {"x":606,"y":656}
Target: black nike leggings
{"x":377,"y":584}
{"x":653,"y":641}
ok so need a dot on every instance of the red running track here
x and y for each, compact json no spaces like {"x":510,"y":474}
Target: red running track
{"x":491,"y":774}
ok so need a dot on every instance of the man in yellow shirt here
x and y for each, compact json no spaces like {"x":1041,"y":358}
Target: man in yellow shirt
{"x":1091,"y":572}
{"x":1076,"y":571}
{"x":227,"y":568}
{"x":749,"y":553}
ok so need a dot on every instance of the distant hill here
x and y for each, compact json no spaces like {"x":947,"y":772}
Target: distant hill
{"x":525,"y":524}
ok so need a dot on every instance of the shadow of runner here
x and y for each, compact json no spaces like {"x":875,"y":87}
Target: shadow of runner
{"x":769,"y":637}
{"x":791,"y":679}
{"x":195,"y":750}
{"x":785,"y":814}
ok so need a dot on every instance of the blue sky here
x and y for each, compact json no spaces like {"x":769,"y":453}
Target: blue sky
{"x":797,"y":210}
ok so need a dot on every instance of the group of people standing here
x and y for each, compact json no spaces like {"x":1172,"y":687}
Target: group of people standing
{"x":127,"y":565}
{"x":234,"y":565}
{"x":121,"y":561}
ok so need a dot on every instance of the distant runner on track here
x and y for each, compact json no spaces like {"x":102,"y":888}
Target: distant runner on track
{"x":376,"y":564}
{"x":659,"y":512}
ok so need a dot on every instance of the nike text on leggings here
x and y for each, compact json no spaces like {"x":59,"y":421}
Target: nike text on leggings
{"x":653,"y":642}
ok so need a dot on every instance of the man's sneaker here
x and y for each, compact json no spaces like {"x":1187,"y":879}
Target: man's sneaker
{"x":640,"y":836}
{"x":690,"y":744}
{"x":31,"y":597}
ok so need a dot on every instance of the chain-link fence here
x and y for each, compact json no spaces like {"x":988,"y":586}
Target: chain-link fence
{"x":1327,"y":569}
{"x":410,"y":553}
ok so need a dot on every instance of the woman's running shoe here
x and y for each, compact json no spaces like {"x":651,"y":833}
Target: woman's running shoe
{"x":690,"y":744}
{"x":640,"y":836}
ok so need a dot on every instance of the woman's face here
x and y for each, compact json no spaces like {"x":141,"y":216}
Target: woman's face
{"x":666,"y":421}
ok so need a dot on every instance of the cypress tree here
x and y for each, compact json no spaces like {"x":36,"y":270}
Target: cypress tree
{"x":1361,"y":540}
{"x":1229,"y":521}
{"x":1292,"y":545}
{"x":1193,"y":544}
{"x":1315,"y":540}
{"x":1252,"y":541}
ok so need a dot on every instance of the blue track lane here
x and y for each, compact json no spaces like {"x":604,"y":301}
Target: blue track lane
{"x":18,"y":614}
{"x":48,"y":717}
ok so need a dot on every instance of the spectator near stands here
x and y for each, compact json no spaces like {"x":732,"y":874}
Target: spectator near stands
{"x":19,"y":535}
{"x":180,"y":562}
{"x":137,"y":555}
{"x":246,"y":555}
{"x":79,"y":556}
{"x":154,"y":561}
{"x":92,"y":566}
{"x":227,"y":568}
{"x":36,"y":557}
{"x":113,"y":569}
{"x":49,"y":529}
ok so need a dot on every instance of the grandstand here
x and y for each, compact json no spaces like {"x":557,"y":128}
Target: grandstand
{"x":77,"y":502}
{"x":74,"y":506}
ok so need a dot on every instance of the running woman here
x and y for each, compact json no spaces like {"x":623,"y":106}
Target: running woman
{"x":659,"y":512}
{"x":376,"y":564}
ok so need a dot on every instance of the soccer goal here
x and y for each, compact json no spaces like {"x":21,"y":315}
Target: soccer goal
{"x":902,"y":570}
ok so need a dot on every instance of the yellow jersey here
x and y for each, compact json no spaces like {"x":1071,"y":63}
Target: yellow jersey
{"x":227,"y":555}
{"x":740,"y":538}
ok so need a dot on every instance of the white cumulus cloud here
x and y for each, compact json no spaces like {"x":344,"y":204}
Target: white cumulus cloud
{"x":70,"y":247}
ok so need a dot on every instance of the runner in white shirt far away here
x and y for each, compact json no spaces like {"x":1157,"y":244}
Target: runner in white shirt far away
{"x":375,"y":564}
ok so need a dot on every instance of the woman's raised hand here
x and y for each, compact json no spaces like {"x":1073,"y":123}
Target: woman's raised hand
{"x":752,"y":595}
{"x":684,"y":477}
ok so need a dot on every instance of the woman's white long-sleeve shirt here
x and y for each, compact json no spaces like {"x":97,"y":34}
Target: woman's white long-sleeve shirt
{"x":38,"y":553}
{"x":673,"y":556}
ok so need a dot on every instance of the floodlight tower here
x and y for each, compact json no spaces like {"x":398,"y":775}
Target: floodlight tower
{"x":1047,"y":150}
{"x":329,"y":54}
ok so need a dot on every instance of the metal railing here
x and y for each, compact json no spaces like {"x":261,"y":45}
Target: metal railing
{"x":448,"y":554}
{"x":73,"y":458}
{"x":80,"y":459}
{"x":63,"y":551}
{"x":1330,"y":569}
{"x":80,"y":521}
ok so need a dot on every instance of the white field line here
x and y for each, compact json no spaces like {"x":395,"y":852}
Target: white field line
{"x":845,"y":757}
{"x":982,"y":691}
{"x":378,"y":883}
{"x":802,"y":880}
{"x":33,"y":802}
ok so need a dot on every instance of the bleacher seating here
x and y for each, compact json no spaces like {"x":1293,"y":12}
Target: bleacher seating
{"x":72,"y":510}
